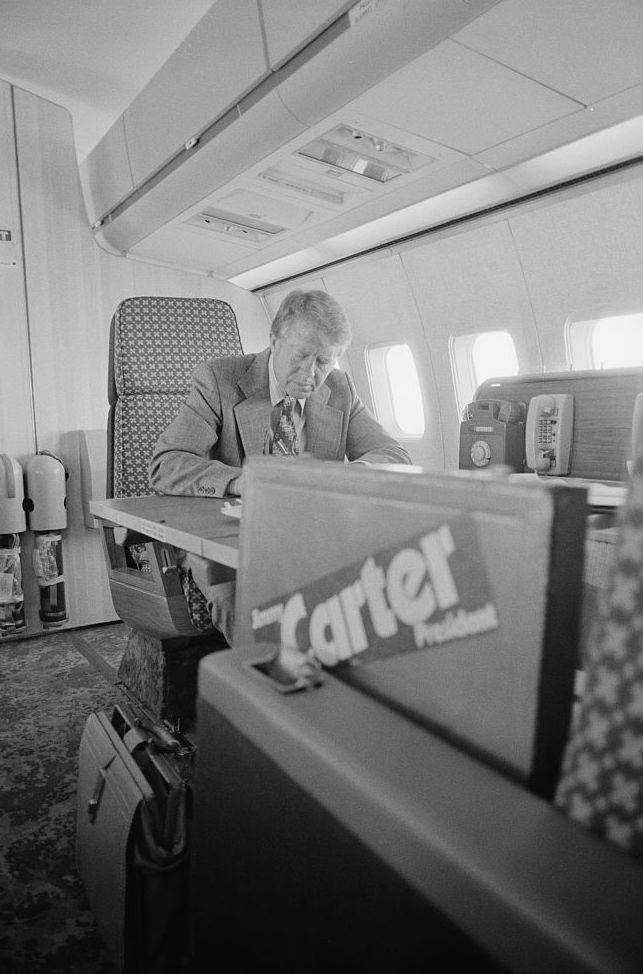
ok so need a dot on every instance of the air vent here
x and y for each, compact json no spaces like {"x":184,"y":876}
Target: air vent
{"x":301,"y":186}
{"x":364,"y":154}
{"x":234,"y":225}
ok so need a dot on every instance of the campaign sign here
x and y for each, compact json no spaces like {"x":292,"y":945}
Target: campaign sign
{"x":426,"y":591}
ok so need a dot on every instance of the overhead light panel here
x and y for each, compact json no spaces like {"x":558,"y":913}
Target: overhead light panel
{"x":235,"y":225}
{"x":370,"y":156}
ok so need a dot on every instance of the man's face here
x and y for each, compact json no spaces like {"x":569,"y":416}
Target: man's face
{"x":303,"y":358}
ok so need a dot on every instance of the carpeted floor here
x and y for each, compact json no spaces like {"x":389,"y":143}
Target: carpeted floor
{"x":48,"y":688}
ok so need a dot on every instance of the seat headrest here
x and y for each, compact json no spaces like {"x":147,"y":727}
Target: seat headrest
{"x":155,"y":342}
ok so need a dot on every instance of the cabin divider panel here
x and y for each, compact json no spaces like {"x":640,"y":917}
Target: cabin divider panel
{"x":603,"y":414}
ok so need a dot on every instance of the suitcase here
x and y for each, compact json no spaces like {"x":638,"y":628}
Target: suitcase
{"x":132,"y":839}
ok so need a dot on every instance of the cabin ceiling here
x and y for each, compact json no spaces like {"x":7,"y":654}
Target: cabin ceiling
{"x":91,"y":56}
{"x":328,"y":148}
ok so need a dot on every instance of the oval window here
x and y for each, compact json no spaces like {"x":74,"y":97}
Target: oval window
{"x":395,"y":387}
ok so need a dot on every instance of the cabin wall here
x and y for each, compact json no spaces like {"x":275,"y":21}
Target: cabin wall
{"x":16,"y":436}
{"x":58,"y":299}
{"x":575,"y":253}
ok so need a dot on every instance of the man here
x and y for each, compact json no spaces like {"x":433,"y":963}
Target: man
{"x":227,"y":414}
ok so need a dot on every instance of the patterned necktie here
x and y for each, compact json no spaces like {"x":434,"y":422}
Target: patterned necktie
{"x":284,"y":430}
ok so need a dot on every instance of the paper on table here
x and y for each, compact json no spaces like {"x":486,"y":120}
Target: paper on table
{"x":606,"y":495}
{"x":231,"y":508}
{"x":599,"y":492}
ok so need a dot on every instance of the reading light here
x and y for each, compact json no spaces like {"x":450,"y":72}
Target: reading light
{"x":376,"y":158}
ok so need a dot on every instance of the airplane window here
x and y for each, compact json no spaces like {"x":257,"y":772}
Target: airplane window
{"x":617,"y":342}
{"x":405,"y":390}
{"x":605,"y":343}
{"x":395,"y":387}
{"x":476,"y":357}
{"x":494,"y":353}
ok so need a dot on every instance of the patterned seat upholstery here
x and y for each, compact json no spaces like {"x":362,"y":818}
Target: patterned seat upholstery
{"x":601,"y":782}
{"x":155,"y":343}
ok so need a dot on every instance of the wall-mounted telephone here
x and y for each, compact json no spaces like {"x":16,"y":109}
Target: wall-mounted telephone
{"x":548,"y":433}
{"x":492,"y":431}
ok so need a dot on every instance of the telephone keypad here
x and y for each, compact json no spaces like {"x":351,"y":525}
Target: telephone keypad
{"x":546,"y":432}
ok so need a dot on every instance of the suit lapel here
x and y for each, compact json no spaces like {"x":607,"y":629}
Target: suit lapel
{"x":323,"y":426}
{"x":252,"y":414}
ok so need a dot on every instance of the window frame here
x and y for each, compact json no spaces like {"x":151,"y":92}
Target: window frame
{"x":463,"y":371}
{"x":579,"y":333}
{"x":382,"y":393}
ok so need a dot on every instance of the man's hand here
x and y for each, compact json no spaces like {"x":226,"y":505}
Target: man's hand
{"x":235,"y":487}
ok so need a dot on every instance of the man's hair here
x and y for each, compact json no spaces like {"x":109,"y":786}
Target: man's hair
{"x":317,"y":307}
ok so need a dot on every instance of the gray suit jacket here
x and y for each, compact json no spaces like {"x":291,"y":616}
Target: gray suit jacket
{"x":227,"y":412}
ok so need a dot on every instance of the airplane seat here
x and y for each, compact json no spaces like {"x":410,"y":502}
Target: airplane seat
{"x":601,"y":781}
{"x":155,"y":342}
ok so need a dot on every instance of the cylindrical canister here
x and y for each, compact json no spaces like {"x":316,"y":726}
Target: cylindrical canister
{"x":46,"y":501}
{"x":12,"y":495}
{"x":12,"y":604}
{"x":48,"y":568}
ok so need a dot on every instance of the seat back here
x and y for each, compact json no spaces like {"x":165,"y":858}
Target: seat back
{"x":487,"y":662}
{"x":155,"y":343}
{"x":354,"y":764}
{"x":601,"y":783}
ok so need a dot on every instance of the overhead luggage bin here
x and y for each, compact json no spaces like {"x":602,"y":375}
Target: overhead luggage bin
{"x":208,"y":114}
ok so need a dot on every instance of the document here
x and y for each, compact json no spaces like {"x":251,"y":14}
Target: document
{"x":232,"y":508}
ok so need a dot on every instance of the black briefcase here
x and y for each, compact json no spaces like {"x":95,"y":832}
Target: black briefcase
{"x":132,"y":840}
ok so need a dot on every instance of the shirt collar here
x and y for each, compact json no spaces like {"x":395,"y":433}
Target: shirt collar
{"x":276,"y":392}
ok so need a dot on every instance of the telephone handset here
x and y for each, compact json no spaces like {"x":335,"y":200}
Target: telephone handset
{"x":548,"y":433}
{"x":492,"y":431}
